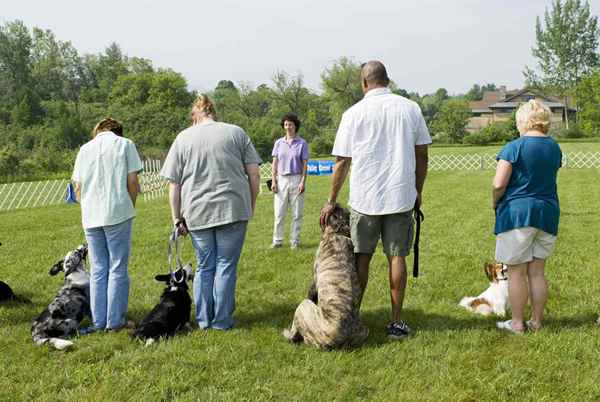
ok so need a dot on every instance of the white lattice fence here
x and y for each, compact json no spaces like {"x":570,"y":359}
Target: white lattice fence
{"x":581,"y":160}
{"x":32,"y":194}
{"x":462,"y":162}
{"x":49,"y":192}
{"x":152,"y":184}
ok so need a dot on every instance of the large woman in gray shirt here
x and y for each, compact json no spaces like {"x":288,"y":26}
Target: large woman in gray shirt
{"x":212,"y":168}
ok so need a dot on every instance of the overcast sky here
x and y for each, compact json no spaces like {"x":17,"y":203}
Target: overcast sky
{"x":425,"y":44}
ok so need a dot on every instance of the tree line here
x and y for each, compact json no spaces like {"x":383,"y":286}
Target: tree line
{"x":51,"y":96}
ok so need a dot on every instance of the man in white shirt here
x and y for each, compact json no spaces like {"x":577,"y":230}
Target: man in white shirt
{"x":385,"y":138}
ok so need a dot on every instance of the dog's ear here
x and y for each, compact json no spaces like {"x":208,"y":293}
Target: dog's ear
{"x":488,"y":268}
{"x":163,"y":278}
{"x":56,"y":268}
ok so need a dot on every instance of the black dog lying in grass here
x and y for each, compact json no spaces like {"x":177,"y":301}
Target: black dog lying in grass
{"x":172,"y":312}
{"x":7,"y":294}
{"x":72,"y":303}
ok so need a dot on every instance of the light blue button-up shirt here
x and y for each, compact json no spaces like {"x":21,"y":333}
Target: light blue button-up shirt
{"x":101,"y":169}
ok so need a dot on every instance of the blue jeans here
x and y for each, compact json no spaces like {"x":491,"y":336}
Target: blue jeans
{"x":109,"y":248}
{"x":218,"y":251}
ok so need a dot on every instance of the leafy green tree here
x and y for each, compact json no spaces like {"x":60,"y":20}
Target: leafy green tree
{"x":476,"y":91}
{"x":566,"y":47}
{"x":588,"y":99}
{"x":452,"y":119}
{"x":341,"y":86}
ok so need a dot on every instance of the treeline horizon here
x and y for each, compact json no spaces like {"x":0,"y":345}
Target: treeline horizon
{"x":51,"y":96}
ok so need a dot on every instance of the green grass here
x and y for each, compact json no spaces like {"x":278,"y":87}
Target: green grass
{"x":452,"y":356}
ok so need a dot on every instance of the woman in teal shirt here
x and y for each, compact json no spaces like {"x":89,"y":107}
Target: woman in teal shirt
{"x":527,"y":213}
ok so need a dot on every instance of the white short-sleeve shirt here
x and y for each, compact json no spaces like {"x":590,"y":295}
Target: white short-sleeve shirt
{"x":379,"y":133}
{"x":101,"y":169}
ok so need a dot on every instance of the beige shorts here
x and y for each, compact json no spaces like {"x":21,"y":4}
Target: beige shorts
{"x":395,"y":230}
{"x":522,"y":245}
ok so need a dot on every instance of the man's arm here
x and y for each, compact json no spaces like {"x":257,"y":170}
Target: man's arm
{"x":133,"y":186}
{"x":340,"y":171}
{"x":503,"y":172}
{"x":422,"y":161}
{"x":253,"y":173}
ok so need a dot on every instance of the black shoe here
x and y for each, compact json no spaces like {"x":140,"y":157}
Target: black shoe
{"x":398,"y":330}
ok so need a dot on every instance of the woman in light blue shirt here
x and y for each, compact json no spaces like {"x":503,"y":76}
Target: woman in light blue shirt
{"x":106,"y":183}
{"x":527,"y":212}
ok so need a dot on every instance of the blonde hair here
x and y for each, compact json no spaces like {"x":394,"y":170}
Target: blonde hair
{"x":108,"y":124}
{"x":534,"y":115}
{"x":205,"y":106}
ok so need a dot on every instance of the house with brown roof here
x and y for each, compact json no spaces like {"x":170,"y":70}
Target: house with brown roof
{"x":498,"y":106}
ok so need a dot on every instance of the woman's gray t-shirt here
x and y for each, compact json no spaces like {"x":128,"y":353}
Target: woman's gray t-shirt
{"x":208,"y":161}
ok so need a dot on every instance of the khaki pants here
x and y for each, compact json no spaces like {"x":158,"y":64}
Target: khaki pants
{"x":287,"y":196}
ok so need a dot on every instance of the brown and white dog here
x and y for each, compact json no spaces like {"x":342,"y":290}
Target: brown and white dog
{"x":495,"y":298}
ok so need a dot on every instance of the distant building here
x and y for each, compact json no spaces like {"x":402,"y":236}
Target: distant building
{"x":499,"y":106}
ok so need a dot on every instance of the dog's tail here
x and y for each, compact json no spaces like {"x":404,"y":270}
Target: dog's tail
{"x":20,"y":299}
{"x":57,"y":343}
{"x":466,"y":302}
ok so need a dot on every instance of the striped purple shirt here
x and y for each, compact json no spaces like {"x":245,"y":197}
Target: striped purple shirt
{"x":290,"y":155}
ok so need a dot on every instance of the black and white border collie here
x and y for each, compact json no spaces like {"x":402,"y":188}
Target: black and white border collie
{"x":172,"y":312}
{"x":72,"y":303}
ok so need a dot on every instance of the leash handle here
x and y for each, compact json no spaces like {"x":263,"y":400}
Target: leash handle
{"x":419,"y":217}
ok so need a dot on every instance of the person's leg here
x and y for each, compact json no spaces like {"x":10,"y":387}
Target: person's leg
{"x":297,"y":206}
{"x":280,"y":206}
{"x":229,"y":240}
{"x":365,"y":231}
{"x":397,"y":274}
{"x":538,"y":291}
{"x":517,"y":294}
{"x":118,"y":240}
{"x":205,"y":245}
{"x":397,"y":238}
{"x":99,"y":263}
{"x":362,"y":265}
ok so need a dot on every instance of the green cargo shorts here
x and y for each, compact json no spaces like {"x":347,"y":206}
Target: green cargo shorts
{"x":396,"y":232}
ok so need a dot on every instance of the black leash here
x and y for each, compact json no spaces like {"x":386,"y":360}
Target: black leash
{"x":419,"y":217}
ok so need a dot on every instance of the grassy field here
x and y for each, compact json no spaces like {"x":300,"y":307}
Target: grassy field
{"x":453,"y":355}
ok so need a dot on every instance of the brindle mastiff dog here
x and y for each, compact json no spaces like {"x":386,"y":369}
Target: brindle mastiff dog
{"x":328,"y":319}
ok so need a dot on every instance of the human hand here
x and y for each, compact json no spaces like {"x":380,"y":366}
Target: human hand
{"x":301,"y":187}
{"x":418,"y":202}
{"x":181,"y":227}
{"x":326,"y":212}
{"x":274,"y":186}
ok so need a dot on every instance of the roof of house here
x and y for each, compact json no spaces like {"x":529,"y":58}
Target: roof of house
{"x":505,"y":100}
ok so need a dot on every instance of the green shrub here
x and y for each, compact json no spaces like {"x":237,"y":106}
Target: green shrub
{"x":574,"y":131}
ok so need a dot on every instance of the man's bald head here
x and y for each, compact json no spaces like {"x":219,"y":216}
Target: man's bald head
{"x":374,"y":74}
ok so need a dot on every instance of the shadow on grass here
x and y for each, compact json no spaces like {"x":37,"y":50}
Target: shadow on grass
{"x":278,"y":316}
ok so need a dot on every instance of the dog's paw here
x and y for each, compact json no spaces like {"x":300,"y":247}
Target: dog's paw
{"x":149,"y":341}
{"x":598,"y":320}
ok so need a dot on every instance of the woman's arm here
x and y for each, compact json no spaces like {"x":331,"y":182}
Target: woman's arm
{"x":175,"y":204}
{"x":133,"y":186}
{"x":503,"y":172}
{"x":77,"y":191}
{"x":254,"y":181}
{"x":302,"y":185}
{"x":274,"y":174}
